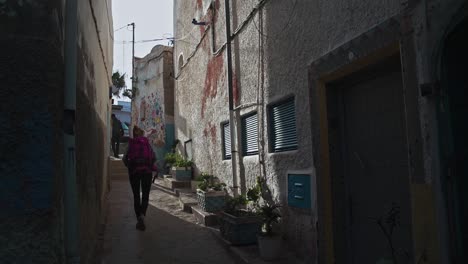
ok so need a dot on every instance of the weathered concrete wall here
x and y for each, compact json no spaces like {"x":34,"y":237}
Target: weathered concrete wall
{"x":95,"y":55}
{"x":152,"y":107}
{"x":270,"y":62}
{"x":31,"y":157}
{"x":31,"y":73}
{"x":426,"y":25}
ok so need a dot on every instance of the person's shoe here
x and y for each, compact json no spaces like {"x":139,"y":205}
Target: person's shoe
{"x":141,"y":223}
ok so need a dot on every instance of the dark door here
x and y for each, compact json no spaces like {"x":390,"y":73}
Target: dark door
{"x":370,"y":166}
{"x":453,"y":110}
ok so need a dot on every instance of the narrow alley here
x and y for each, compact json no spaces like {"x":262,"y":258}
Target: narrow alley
{"x":171,"y":236}
{"x":281,"y":131}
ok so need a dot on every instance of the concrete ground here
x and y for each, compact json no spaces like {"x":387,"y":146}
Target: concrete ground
{"x":171,"y":236}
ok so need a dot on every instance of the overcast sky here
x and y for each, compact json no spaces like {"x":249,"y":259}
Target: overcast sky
{"x":153,"y":19}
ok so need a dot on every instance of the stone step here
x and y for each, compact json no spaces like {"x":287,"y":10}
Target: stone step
{"x":173,"y":184}
{"x":204,"y":218}
{"x":186,"y":200}
{"x":164,"y":189}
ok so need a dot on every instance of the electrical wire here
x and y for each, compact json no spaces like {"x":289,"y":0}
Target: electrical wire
{"x":239,"y":29}
{"x":120,"y":28}
{"x":288,"y":23}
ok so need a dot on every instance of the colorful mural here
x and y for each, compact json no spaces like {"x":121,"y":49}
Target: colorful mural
{"x":152,"y":118}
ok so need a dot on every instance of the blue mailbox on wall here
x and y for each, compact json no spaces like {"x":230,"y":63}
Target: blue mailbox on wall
{"x":299,"y":191}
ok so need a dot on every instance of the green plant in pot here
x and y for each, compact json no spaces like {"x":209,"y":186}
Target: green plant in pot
{"x":239,"y":222}
{"x":181,"y":167}
{"x":199,"y":179}
{"x":269,"y":242}
{"x":211,"y":194}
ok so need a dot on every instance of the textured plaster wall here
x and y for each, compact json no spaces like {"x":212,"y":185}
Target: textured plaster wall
{"x":31,"y":157}
{"x":152,"y":106}
{"x":269,"y":64}
{"x":95,"y":44}
{"x":31,"y":73}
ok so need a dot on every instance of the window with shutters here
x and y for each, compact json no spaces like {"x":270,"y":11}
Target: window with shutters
{"x":226,"y":141}
{"x":249,"y":134}
{"x":283,"y":135}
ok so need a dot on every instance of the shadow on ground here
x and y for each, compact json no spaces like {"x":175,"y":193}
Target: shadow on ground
{"x":171,"y":235}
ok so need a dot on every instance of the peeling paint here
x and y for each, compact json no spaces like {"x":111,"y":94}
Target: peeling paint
{"x":213,"y":73}
{"x":210,"y":131}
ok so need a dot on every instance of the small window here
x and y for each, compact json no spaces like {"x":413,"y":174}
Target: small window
{"x":249,"y":134}
{"x":283,"y":126}
{"x":226,"y":141}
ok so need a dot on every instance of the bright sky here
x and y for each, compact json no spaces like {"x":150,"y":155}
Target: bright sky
{"x":153,"y":20}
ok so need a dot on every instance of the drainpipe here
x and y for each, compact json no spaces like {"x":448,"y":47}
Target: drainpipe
{"x":70,"y":192}
{"x":231,"y":100}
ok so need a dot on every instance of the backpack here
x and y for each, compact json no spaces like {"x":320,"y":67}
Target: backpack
{"x":140,"y":154}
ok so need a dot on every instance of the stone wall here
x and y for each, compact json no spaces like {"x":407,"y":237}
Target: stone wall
{"x":31,"y":160}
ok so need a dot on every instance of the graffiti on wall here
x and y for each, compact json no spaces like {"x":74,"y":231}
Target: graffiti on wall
{"x":152,"y":118}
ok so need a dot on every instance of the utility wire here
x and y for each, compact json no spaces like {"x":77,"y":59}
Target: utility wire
{"x":120,"y":28}
{"x":239,"y":29}
{"x":288,"y":23}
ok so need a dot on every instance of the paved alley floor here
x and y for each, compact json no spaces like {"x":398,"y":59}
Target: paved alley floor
{"x":171,"y":235}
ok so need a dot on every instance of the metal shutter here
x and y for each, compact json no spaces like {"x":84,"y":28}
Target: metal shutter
{"x":250,"y":135}
{"x":227,"y":141}
{"x":283,"y":126}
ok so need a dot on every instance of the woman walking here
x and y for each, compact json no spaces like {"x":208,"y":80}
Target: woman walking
{"x":139,"y":160}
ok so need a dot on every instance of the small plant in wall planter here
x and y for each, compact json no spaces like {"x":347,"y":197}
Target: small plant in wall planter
{"x":211,"y":194}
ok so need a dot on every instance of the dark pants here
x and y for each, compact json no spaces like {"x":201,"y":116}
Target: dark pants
{"x":115,"y":141}
{"x":140,"y":205}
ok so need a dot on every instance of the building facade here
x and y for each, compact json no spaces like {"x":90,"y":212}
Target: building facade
{"x":153,"y":104}
{"x":54,"y":140}
{"x":358,"y":102}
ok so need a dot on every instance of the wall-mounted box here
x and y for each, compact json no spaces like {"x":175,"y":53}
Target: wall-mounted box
{"x":299,"y":191}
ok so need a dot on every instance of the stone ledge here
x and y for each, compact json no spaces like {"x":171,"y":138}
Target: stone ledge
{"x":204,"y":218}
{"x":186,"y":200}
{"x":173,"y":184}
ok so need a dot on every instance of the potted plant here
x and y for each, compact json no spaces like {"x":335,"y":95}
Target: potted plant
{"x":269,"y":242}
{"x":239,"y":225}
{"x":211,"y":194}
{"x":181,"y":168}
{"x":195,"y":182}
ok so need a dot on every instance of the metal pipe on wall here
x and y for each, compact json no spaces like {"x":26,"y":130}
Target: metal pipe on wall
{"x":70,"y":190}
{"x":235,"y":186}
